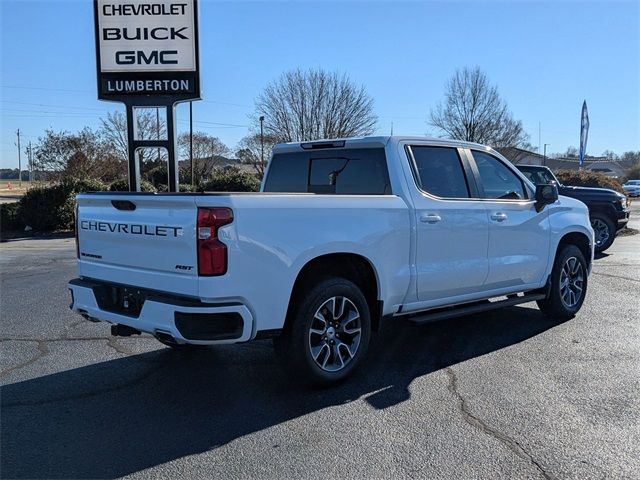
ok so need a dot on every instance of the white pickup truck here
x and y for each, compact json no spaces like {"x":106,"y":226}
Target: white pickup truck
{"x":344,"y":233}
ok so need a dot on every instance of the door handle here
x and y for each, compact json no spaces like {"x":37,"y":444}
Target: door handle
{"x":499,"y":217}
{"x":431,"y":218}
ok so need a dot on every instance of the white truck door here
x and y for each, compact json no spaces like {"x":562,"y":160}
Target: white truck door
{"x":518,"y":235}
{"x":452,"y":230}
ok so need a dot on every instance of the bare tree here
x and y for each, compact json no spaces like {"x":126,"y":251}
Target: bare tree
{"x":208,"y":153}
{"x":313,"y":104}
{"x":473,"y":111}
{"x":148,"y":127}
{"x":571,"y":152}
{"x":250,"y":151}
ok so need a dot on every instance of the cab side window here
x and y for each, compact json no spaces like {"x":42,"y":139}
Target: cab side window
{"x":438,"y":171}
{"x":498,"y":181}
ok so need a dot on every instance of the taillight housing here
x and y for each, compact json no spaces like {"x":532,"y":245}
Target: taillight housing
{"x":212,"y":253}
{"x":75,"y":221}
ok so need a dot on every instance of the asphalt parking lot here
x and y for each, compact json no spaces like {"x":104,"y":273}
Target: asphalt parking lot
{"x":507,"y":394}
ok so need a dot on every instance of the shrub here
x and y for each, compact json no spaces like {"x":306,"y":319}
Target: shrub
{"x":85,"y":185}
{"x":122,"y":185}
{"x":11,"y":216}
{"x":52,"y":207}
{"x":585,"y":178}
{"x":231,"y":180}
{"x":187,"y":187}
{"x":159,"y":176}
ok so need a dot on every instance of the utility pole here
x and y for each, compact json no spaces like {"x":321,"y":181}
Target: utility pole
{"x":544,"y":157}
{"x":30,"y":162}
{"x":191,"y":141}
{"x":539,"y":136}
{"x":19,"y":161}
{"x":262,"y":141}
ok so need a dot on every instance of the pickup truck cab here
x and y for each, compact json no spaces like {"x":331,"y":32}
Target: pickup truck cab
{"x":344,"y":233}
{"x":608,"y":209}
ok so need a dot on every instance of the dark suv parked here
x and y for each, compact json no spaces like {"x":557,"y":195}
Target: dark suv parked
{"x":608,"y":209}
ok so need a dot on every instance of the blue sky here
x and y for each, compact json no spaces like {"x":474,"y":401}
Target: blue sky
{"x":545,"y":58}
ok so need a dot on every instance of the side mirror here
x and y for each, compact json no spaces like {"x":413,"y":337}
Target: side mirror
{"x":545,"y":195}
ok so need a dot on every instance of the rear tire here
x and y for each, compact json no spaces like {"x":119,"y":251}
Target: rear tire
{"x":327,"y":334}
{"x":568,"y":284}
{"x":604,"y":230}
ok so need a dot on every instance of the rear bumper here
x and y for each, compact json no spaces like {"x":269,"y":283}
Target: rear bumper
{"x":185,"y":319}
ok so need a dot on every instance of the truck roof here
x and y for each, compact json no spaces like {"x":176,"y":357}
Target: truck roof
{"x":367,"y":142}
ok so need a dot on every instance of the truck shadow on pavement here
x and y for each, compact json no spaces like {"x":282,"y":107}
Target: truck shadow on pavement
{"x":122,"y":416}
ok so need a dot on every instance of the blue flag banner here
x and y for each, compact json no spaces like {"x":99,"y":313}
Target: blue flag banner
{"x":584,"y":131}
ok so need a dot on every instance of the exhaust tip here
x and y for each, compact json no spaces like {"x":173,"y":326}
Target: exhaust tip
{"x":165,"y":337}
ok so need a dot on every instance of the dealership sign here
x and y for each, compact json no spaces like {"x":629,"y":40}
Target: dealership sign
{"x":147,"y":48}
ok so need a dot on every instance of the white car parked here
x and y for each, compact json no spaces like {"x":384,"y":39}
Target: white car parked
{"x":632,"y":188}
{"x":344,"y":234}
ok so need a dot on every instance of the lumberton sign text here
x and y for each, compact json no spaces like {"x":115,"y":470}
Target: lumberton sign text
{"x":147,"y":47}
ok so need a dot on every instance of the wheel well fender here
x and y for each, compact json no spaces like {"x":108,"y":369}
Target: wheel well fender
{"x":351,"y":266}
{"x":603,"y":209}
{"x":581,"y":241}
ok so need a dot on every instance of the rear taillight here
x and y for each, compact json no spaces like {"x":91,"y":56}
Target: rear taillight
{"x":212,"y":253}
{"x":76,"y":231}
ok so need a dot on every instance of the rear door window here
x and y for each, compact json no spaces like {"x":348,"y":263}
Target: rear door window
{"x":341,"y":172}
{"x":439,"y":171}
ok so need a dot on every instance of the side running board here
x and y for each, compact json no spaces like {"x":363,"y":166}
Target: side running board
{"x":477,"y":307}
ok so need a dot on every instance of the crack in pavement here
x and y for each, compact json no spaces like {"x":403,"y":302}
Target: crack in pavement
{"x":42,"y":351}
{"x":80,"y":396}
{"x":64,"y":339}
{"x":71,"y":326}
{"x":118,"y":348}
{"x":471,"y":419}
{"x":616,"y":276}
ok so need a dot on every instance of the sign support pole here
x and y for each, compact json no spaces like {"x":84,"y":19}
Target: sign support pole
{"x":169,"y":145}
{"x":134,"y":169}
{"x":155,"y":72}
{"x":173,"y":168}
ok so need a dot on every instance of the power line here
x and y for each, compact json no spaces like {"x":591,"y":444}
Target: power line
{"x":222,"y":124}
{"x":53,"y":106}
{"x":216,"y":126}
{"x":47,"y":115}
{"x":48,"y":89}
{"x":204,"y":100}
{"x":48,"y":112}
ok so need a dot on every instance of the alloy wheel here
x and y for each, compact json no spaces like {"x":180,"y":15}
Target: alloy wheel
{"x":571,"y":282}
{"x":601,"y":231}
{"x":335,"y":333}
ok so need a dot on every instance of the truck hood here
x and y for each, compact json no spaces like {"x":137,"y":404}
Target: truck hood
{"x":590,"y":193}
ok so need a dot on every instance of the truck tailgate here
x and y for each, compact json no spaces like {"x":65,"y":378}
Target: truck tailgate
{"x":143,"y":240}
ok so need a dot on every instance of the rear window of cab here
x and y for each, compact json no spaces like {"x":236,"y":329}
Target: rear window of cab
{"x":355,"y":171}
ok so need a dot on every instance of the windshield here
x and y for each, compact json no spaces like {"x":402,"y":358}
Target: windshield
{"x":541,"y":176}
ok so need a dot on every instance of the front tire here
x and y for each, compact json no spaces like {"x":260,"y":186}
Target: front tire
{"x":327,"y":334}
{"x":568,"y":284}
{"x":604,"y":230}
